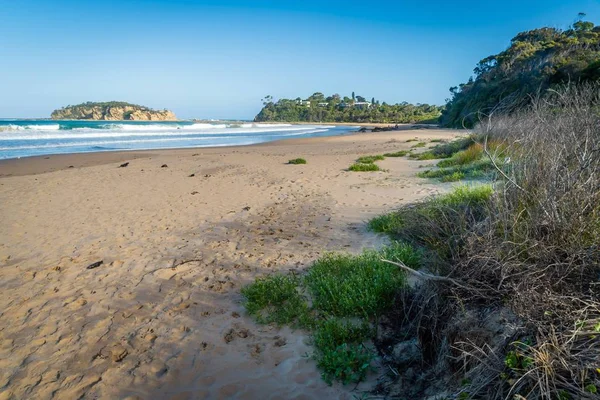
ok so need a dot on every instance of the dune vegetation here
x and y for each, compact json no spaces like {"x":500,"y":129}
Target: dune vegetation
{"x":504,"y":296}
{"x":510,"y":307}
{"x":535,"y":61}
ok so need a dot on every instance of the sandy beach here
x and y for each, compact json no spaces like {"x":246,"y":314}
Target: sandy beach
{"x":179,"y":232}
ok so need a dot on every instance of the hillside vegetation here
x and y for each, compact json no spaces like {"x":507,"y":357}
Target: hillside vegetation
{"x":112,"y":110}
{"x":535,"y":61}
{"x":334,"y":108}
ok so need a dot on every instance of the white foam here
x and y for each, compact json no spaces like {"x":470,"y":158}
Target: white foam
{"x":91,"y":133}
{"x":13,"y":127}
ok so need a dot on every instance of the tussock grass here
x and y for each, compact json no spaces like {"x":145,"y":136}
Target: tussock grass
{"x":418,"y":145}
{"x":435,"y":224}
{"x":400,"y":153}
{"x":358,"y":167}
{"x":471,"y":154}
{"x":297,"y":161}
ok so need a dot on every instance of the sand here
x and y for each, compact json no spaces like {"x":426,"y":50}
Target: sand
{"x":162,"y":316}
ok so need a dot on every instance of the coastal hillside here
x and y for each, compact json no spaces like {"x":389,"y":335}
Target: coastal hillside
{"x":334,"y":108}
{"x":112,"y":111}
{"x":535,"y":61}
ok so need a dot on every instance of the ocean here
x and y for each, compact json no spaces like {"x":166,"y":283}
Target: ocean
{"x":24,"y":138}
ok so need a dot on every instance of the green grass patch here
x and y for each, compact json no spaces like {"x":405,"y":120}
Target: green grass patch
{"x":428,"y":155}
{"x":453,"y":177}
{"x":437,"y":141}
{"x":434,"y":224}
{"x":346,"y":363}
{"x":345,"y":292}
{"x":275,"y":299}
{"x":446,"y":150}
{"x":477,"y":169}
{"x":385,"y":223}
{"x":370,"y":159}
{"x":297,"y":161}
{"x":470,"y":155}
{"x":418,"y":145}
{"x":359,"y":167}
{"x":411,"y":140}
{"x":345,"y":285}
{"x":466,"y":195}
{"x":333,"y":332}
{"x":400,"y":153}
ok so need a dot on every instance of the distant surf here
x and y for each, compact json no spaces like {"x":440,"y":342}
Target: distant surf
{"x":24,"y":138}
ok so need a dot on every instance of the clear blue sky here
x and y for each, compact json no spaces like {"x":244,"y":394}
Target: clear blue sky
{"x":217,"y":59}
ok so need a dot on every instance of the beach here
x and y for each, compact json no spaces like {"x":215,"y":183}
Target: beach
{"x":179,"y":233}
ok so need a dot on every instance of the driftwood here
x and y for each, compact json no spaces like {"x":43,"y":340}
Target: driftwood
{"x":429,"y":277}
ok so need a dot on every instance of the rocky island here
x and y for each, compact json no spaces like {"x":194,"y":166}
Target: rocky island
{"x":112,"y":111}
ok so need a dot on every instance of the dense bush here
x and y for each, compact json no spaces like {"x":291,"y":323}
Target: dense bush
{"x":535,"y":61}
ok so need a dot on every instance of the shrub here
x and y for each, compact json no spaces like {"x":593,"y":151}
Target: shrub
{"x":297,"y":161}
{"x":358,"y":167}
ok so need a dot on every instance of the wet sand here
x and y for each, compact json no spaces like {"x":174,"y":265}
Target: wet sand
{"x":162,"y":316}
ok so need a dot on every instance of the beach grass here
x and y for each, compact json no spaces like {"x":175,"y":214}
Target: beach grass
{"x":297,"y":161}
{"x":370,"y":159}
{"x":400,"y":153}
{"x":359,"y":167}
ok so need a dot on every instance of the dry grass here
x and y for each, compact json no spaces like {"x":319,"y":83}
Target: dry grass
{"x":532,"y":252}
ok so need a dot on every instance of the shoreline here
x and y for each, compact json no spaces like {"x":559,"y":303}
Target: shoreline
{"x":37,"y":164}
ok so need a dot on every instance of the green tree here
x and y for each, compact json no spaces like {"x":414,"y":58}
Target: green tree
{"x":535,"y":61}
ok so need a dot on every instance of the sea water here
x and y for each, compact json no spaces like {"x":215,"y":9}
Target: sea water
{"x":24,"y":138}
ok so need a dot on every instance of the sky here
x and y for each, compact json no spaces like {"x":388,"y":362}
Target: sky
{"x":217,"y":59}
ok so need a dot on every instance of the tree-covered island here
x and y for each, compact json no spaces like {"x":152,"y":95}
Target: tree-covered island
{"x":335,"y":108}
